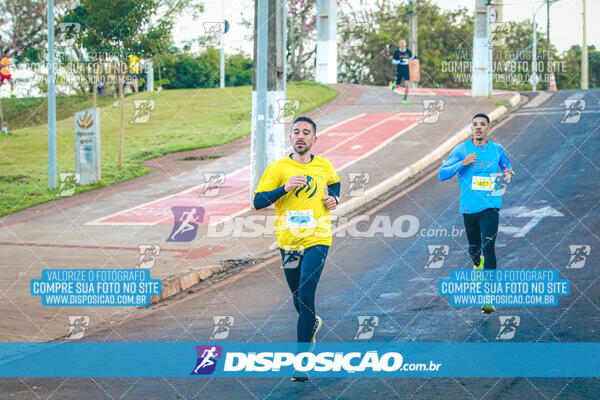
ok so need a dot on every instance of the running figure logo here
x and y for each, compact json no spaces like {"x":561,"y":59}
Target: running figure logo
{"x":292,"y":258}
{"x":366,"y":326}
{"x":579,"y":253}
{"x":213,"y":182}
{"x":207,"y":359}
{"x":142,"y":110}
{"x":498,"y":34}
{"x":213,"y":31}
{"x":437,"y":255}
{"x":68,"y":184}
{"x":573,"y":110}
{"x":358,"y":182}
{"x":77,"y":326}
{"x":223,"y":323}
{"x":498,"y":184}
{"x":508,"y":327}
{"x":67,"y":31}
{"x":287,"y":111}
{"x":354,"y":33}
{"x":148,"y":254}
{"x":432,"y":109}
{"x":186,"y":220}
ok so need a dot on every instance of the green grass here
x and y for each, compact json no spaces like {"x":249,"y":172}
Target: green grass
{"x":32,"y":111}
{"x":182,"y":120}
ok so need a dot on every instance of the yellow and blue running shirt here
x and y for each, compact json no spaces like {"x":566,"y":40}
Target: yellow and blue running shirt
{"x":301,"y":218}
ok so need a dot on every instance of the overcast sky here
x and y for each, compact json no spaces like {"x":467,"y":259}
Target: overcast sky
{"x":565,"y":20}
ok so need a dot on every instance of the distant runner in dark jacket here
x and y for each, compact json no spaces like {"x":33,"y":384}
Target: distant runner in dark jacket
{"x":400,"y":58}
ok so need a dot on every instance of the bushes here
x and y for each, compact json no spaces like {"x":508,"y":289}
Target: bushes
{"x":186,"y":71}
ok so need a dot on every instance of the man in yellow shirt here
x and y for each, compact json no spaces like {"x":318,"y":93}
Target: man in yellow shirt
{"x":304,"y":188}
{"x":134,"y":72}
{"x":5,"y":72}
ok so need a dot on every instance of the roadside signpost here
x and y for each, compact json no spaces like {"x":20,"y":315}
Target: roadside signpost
{"x":87,"y":146}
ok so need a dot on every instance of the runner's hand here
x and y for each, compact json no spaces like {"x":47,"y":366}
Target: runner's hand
{"x":329,"y":200}
{"x":469,"y":159}
{"x":294,"y":182}
{"x":508,"y":173}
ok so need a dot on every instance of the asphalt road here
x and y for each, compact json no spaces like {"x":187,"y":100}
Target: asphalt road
{"x":557,"y":169}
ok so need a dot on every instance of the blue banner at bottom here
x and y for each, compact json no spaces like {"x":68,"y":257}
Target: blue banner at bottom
{"x":270,"y":360}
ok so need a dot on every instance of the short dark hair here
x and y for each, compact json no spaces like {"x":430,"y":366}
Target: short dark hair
{"x":306,"y":119}
{"x":481,"y":115}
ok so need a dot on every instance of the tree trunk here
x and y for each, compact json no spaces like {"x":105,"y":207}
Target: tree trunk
{"x":159,"y":76}
{"x":290,"y":50}
{"x":116,"y":80}
{"x":122,"y":107}
{"x":298,"y":71}
{"x":95,"y":87}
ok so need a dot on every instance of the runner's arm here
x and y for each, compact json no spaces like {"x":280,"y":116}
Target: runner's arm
{"x":504,"y":161}
{"x":333,"y":183}
{"x":453,"y":164}
{"x":334,"y":190}
{"x":265,"y":199}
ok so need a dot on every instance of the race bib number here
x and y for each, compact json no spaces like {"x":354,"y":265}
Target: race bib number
{"x":485,"y":183}
{"x":299,"y":219}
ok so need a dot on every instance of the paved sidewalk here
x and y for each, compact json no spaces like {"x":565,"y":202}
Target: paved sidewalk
{"x":366,"y":132}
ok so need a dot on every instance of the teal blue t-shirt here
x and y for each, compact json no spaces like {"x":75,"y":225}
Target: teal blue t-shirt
{"x":476,"y":180}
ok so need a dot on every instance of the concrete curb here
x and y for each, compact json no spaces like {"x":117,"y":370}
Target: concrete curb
{"x":413,"y":169}
{"x":181,"y":282}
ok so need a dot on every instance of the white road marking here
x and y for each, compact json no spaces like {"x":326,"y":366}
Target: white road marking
{"x":555,"y":112}
{"x":524,"y":212}
{"x":537,"y":100}
{"x":577,"y":96}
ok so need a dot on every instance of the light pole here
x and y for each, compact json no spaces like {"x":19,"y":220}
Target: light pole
{"x":584,"y":53}
{"x":326,"y":58}
{"x":52,"y":169}
{"x":413,"y":41}
{"x":222,"y":60}
{"x":534,"y":77}
{"x":481,"y":73}
{"x":548,"y":3}
{"x":267,"y":137}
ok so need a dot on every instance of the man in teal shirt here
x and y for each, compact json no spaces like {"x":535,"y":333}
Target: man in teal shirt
{"x":478,"y":163}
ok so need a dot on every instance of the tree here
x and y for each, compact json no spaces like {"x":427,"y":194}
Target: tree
{"x":569,"y":76}
{"x":238,"y":70}
{"x":170,"y":10}
{"x":186,"y":71}
{"x":23,"y":26}
{"x":374,"y":33}
{"x":119,"y":25}
{"x":368,"y":35}
{"x":154,"y":42}
{"x":159,"y":37}
{"x":512,"y":60}
{"x":301,"y":28}
{"x":300,"y":38}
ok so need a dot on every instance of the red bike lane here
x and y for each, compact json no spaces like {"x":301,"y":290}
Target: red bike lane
{"x":343,"y":144}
